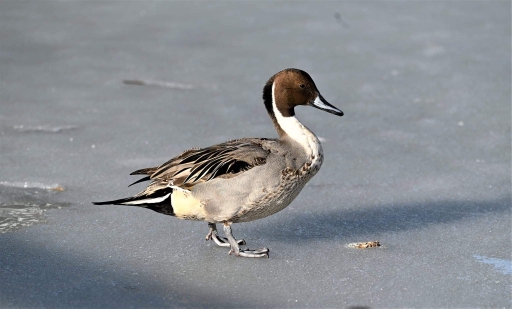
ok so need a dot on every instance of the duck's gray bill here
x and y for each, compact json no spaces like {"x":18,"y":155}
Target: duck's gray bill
{"x":322,"y":104}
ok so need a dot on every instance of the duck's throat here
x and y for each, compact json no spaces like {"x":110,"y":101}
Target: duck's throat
{"x":299,"y":133}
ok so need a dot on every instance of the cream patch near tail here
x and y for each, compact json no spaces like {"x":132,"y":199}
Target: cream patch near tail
{"x":185,"y":206}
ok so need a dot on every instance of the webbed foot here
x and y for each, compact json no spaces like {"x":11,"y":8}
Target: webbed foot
{"x":263,"y":252}
{"x":236,"y":249}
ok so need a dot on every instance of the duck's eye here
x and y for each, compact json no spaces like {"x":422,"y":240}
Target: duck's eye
{"x":302,"y":86}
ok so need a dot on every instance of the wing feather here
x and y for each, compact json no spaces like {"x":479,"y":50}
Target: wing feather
{"x":202,"y":164}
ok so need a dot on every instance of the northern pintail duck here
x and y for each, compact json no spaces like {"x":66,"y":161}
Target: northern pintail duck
{"x":245,"y":179}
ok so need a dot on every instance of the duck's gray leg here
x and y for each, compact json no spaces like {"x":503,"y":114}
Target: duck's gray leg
{"x":220,"y":241}
{"x":236,"y":250}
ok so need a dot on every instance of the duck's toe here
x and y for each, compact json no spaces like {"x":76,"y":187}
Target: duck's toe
{"x":241,"y":242}
{"x":220,"y":241}
{"x":223,"y":241}
{"x":263,"y":252}
{"x":236,"y":250}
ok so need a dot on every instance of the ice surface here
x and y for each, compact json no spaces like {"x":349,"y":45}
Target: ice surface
{"x":502,"y":266}
{"x":421,"y":161}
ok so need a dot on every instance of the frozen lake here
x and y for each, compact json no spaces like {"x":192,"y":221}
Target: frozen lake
{"x":421,"y":162}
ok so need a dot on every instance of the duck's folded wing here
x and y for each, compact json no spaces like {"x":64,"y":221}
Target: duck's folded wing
{"x":220,"y":161}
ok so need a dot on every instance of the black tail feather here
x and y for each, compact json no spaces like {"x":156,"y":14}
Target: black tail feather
{"x":117,"y":202}
{"x":156,"y":201}
{"x":155,"y":197}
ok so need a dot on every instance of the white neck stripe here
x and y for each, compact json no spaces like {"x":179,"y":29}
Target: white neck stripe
{"x":296,"y":130}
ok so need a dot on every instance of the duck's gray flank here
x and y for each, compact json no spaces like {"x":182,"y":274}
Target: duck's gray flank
{"x":244,"y":179}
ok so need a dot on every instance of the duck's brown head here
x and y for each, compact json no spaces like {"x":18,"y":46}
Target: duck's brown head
{"x":293,"y":87}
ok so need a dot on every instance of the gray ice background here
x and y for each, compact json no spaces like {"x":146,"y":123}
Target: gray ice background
{"x":421,"y":161}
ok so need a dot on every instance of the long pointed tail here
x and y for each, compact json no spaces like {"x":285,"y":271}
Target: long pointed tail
{"x":158,"y":200}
